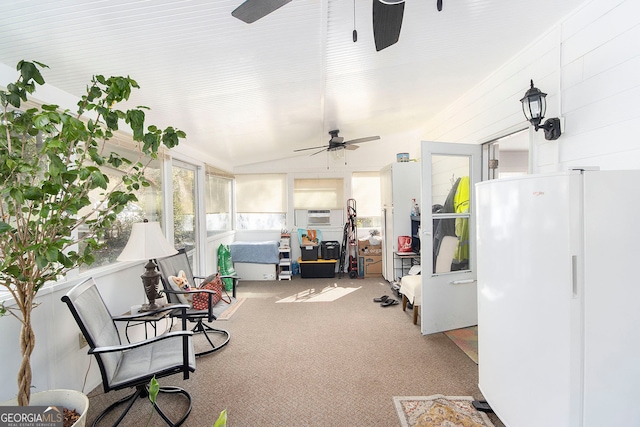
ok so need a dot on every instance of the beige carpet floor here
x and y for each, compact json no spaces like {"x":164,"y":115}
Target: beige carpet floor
{"x":333,"y":359}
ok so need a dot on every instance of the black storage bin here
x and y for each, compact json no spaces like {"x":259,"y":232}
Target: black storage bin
{"x":317,"y":269}
{"x":330,"y":250}
{"x":309,"y":253}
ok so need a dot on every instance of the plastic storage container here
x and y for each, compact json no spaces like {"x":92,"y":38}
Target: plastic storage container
{"x":309,"y":253}
{"x":316,"y":269}
{"x":330,"y":250}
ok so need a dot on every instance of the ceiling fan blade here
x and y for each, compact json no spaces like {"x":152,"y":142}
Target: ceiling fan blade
{"x":252,"y":10}
{"x":318,"y":152}
{"x":311,"y":148}
{"x":387,"y":22}
{"x":351,"y":147}
{"x":365,"y":139}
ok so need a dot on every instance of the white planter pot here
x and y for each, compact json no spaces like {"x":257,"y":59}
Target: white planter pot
{"x":70,"y":399}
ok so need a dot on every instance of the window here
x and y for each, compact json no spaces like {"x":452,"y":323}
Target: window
{"x":184,"y":206}
{"x":325,"y":193}
{"x":261,"y":201}
{"x":365,"y":189}
{"x":149,"y":206}
{"x":217,"y":199}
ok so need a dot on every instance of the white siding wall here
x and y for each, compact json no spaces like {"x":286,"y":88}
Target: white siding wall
{"x":589,"y":65}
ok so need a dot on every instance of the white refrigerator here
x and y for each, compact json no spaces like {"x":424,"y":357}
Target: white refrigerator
{"x":558,"y":302}
{"x":399,"y":184}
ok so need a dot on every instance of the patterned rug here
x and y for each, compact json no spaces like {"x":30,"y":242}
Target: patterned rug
{"x":467,"y":340}
{"x":438,"y":411}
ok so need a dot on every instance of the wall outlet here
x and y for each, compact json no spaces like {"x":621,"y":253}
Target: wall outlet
{"x":82,"y":341}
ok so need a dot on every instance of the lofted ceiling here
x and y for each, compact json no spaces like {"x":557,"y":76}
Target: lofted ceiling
{"x":250,"y":93}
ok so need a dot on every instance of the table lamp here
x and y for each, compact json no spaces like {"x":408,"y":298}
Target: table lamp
{"x":147,"y":242}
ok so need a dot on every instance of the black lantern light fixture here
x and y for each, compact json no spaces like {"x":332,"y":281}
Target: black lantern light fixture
{"x":534,"y":105}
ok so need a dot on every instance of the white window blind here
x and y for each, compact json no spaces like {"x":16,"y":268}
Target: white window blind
{"x":261,"y":193}
{"x":217,"y":198}
{"x":365,"y":189}
{"x":324,"y":193}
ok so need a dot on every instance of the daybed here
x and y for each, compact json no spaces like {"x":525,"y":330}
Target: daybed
{"x":255,"y":260}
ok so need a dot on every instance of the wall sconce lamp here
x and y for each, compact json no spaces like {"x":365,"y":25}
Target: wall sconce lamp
{"x":147,"y":242}
{"x":534,"y":105}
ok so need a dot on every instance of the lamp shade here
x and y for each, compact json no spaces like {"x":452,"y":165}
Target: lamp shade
{"x":146,"y":242}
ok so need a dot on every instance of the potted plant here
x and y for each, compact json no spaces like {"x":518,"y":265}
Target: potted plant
{"x":50,"y":161}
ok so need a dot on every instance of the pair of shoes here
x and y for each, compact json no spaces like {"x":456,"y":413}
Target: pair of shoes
{"x":388,"y":302}
{"x":383,"y":298}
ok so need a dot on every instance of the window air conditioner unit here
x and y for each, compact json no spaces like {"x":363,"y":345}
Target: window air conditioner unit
{"x":319,"y":218}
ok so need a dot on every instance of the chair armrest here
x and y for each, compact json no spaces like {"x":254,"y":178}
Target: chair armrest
{"x":235,"y":282}
{"x":112,"y":348}
{"x":151,"y":312}
{"x":229,"y":276}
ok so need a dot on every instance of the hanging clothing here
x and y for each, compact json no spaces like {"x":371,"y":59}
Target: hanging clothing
{"x":461,"y":205}
{"x":445,"y":227}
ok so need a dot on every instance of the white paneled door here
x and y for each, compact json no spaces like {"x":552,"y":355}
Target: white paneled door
{"x":448,"y":244}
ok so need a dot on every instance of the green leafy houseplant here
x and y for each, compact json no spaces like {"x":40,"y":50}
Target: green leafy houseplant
{"x":50,"y":163}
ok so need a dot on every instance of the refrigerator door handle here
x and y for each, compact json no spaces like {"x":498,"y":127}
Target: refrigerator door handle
{"x":574,"y":275}
{"x":462,"y":282}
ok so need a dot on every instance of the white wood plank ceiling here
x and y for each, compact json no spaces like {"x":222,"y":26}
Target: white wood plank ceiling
{"x":255,"y":92}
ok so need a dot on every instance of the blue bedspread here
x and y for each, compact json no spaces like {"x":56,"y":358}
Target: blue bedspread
{"x":255,"y":252}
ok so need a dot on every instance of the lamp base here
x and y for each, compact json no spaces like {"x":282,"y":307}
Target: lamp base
{"x":151,"y":307}
{"x":150,"y":280}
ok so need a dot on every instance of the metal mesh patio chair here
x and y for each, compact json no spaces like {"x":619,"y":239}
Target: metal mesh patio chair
{"x":130,"y":365}
{"x":171,"y":266}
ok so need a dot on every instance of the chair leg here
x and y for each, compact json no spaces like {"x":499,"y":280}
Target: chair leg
{"x":130,"y":398}
{"x":205,"y":329}
{"x":415,"y":313}
{"x":171,"y":389}
{"x":143,"y":392}
{"x":404,"y":302}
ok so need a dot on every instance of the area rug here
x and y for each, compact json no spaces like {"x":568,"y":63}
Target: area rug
{"x":226,"y":315}
{"x":439,"y":410}
{"x":467,"y":340}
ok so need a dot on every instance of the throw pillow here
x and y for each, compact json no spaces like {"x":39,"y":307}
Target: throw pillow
{"x":181,"y":283}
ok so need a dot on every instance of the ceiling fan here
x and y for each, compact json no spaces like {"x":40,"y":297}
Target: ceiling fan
{"x":338,"y":143}
{"x":387,"y":17}
{"x":252,"y":10}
